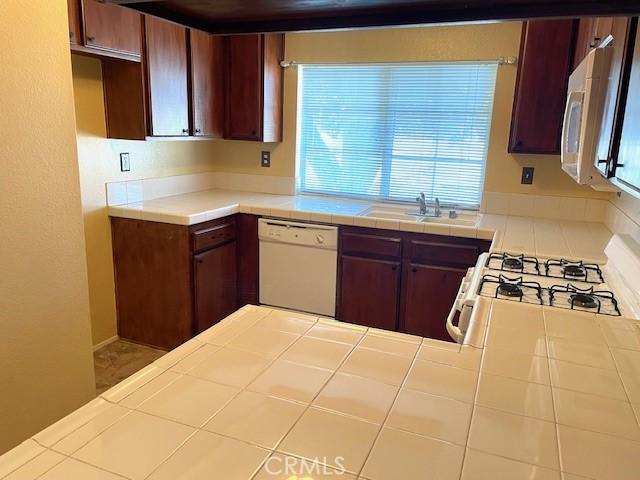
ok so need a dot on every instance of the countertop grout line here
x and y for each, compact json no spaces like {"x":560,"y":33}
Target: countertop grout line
{"x":393,"y":404}
{"x":308,"y":406}
{"x":240,"y":390}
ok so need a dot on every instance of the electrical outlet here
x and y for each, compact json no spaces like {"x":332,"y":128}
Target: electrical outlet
{"x":527,"y":176}
{"x":265,"y":159}
{"x":125,"y":162}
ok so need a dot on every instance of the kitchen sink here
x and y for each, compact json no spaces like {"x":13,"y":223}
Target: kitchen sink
{"x":464,"y":218}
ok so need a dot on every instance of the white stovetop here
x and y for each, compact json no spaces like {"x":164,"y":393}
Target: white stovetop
{"x":539,"y":237}
{"x":534,"y":392}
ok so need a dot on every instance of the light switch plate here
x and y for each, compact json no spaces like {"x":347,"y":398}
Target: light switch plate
{"x":527,"y":176}
{"x":125,"y":162}
{"x":265,"y":159}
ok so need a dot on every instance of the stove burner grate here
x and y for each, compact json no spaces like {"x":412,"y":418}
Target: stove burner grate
{"x":510,"y":290}
{"x":511,"y":287}
{"x":575,"y":271}
{"x":584,"y":298}
{"x":590,"y":273}
{"x":513,"y":263}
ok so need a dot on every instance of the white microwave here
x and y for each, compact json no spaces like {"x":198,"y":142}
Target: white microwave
{"x":583,"y":119}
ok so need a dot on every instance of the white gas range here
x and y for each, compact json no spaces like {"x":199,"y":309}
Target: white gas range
{"x":610,"y":289}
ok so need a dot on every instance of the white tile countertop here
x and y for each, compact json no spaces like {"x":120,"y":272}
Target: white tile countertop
{"x":535,"y":393}
{"x":539,"y":237}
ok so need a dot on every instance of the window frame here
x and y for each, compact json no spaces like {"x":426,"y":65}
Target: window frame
{"x":299,"y":161}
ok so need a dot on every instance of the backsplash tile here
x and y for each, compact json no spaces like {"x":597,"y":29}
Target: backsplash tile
{"x":133,"y":191}
{"x":623,"y":216}
{"x":545,"y":206}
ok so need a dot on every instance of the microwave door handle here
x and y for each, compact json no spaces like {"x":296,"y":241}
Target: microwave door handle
{"x":572,"y":99}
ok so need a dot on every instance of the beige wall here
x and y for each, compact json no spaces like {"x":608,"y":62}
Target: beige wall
{"x":488,"y":41}
{"x":46,"y":367}
{"x":99,"y":163}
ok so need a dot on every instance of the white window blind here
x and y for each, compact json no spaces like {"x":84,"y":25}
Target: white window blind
{"x":391,"y":131}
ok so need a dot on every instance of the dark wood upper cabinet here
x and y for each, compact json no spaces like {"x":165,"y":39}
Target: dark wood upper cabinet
{"x":166,"y":65}
{"x":591,"y":33}
{"x":428,"y":294}
{"x":207,"y":84}
{"x":541,"y":87}
{"x":124,"y":99}
{"x":627,"y":171}
{"x":616,"y":37}
{"x":585,"y":39}
{"x":111,"y":28}
{"x":75,"y":29}
{"x":369,"y":290}
{"x":254,"y":82}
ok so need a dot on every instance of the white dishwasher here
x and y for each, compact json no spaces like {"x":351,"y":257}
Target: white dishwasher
{"x":298,"y":266}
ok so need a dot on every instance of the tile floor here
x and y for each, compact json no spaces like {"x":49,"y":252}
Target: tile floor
{"x":119,"y":360}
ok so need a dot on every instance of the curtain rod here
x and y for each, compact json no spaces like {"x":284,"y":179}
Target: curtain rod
{"x":499,"y":61}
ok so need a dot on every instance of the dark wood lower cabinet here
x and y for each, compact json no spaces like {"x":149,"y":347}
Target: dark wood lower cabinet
{"x":369,"y":289}
{"x":428,"y":294}
{"x":215,"y":285}
{"x":174,"y":281}
{"x":402,"y":281}
{"x":152,"y":266}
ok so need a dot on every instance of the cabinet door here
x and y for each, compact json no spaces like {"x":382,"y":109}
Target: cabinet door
{"x":584,"y":39}
{"x":369,"y":292}
{"x":541,"y":86}
{"x":604,"y":28}
{"x":73,"y":7}
{"x":111,"y":27}
{"x":628,"y":168}
{"x":429,"y":293}
{"x":244,"y":87}
{"x":207,"y":94}
{"x":215,"y":279}
{"x":615,"y":96}
{"x":166,"y":52}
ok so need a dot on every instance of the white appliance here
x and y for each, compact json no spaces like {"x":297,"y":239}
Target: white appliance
{"x":583,"y":118}
{"x":557,"y":283}
{"x":298,"y":266}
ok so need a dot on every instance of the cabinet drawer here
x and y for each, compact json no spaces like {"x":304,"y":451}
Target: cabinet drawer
{"x":214,"y":236}
{"x":433,"y":253}
{"x":362,"y":244}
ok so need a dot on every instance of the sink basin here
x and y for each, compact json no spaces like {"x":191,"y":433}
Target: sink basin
{"x":411,"y":214}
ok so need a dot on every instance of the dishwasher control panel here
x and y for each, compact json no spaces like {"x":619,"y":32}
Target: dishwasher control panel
{"x":298,"y":233}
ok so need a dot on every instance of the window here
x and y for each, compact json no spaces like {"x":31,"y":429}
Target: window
{"x":391,"y":131}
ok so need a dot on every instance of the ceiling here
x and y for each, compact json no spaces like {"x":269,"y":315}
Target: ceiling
{"x":248,"y":16}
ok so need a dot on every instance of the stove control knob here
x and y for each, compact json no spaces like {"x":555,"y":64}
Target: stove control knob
{"x":319,"y":239}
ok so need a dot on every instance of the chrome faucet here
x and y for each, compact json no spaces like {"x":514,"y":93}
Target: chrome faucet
{"x":422,"y":203}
